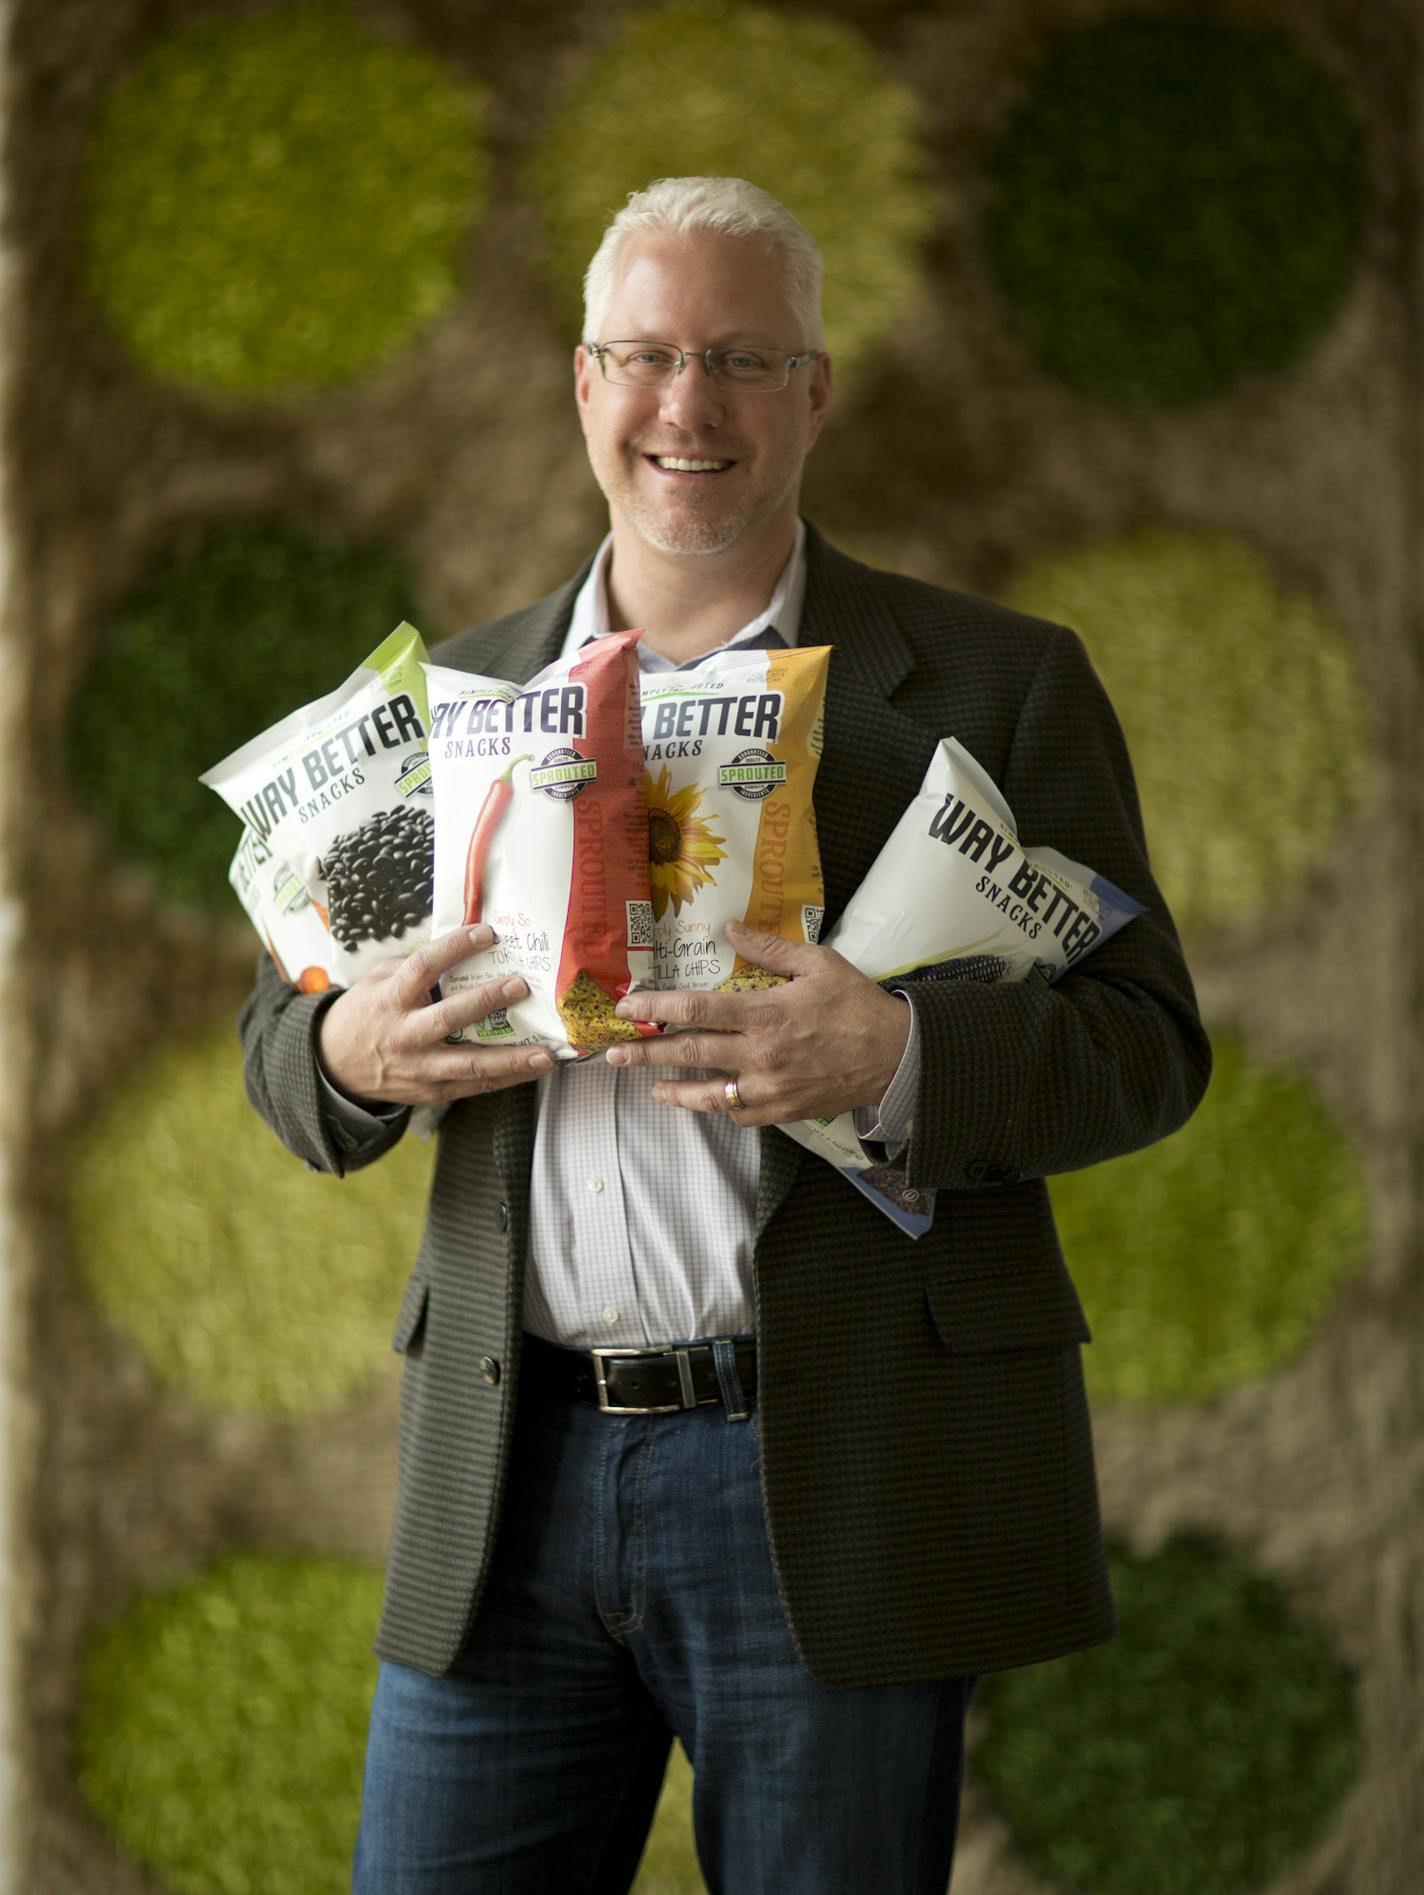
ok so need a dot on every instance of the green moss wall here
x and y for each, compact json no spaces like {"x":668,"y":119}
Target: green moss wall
{"x":1124,"y":304}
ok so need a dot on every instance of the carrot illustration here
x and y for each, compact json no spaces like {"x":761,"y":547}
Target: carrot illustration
{"x":497,"y":799}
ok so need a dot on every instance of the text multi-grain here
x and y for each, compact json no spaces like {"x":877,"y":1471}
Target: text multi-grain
{"x":380,"y":878}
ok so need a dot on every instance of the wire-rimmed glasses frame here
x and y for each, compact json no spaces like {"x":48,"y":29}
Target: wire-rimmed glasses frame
{"x":757,"y":375}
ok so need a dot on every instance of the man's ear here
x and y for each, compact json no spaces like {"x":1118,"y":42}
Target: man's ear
{"x":584,"y":371}
{"x":820,"y":397}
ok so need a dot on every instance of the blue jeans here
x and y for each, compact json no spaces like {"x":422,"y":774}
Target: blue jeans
{"x":632,"y":1597}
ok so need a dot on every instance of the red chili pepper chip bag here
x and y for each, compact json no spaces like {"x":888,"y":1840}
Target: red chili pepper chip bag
{"x":541,"y":830}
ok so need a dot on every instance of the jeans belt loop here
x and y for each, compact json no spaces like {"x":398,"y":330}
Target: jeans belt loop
{"x":724,"y":1360}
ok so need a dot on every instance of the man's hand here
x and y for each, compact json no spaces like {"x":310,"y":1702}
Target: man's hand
{"x":383,"y":1041}
{"x":828,"y":1040}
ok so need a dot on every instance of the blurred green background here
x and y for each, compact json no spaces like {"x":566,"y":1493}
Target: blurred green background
{"x":1122,"y":304}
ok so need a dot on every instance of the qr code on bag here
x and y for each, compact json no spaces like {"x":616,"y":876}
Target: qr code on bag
{"x":811,"y":919}
{"x":640,"y":926}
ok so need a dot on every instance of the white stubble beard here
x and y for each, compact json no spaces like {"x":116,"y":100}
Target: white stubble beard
{"x":688,"y":533}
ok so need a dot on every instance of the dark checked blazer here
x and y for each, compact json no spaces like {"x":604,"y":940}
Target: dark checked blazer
{"x":927,"y":1464}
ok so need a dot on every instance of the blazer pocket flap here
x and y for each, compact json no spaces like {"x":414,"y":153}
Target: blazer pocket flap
{"x":412,"y":1313}
{"x":1008,"y":1309}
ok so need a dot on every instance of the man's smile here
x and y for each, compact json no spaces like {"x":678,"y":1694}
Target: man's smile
{"x":684,"y":465}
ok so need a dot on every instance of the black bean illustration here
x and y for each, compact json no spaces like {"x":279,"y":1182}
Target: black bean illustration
{"x":380,"y":877}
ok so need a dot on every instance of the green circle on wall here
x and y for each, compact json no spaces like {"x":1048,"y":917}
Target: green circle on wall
{"x":1241,"y":700}
{"x":248,"y":1282}
{"x":223,"y":1723}
{"x":219,"y":639}
{"x":1176,"y":203}
{"x":1207,"y":1747}
{"x":277,"y":203}
{"x":1212,"y":1258}
{"x":795,"y":104}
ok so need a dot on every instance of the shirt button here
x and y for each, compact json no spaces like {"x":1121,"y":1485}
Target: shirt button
{"x":610,"y":1315}
{"x":489,"y":1369}
{"x":594,"y":1183}
{"x":501,"y":1218}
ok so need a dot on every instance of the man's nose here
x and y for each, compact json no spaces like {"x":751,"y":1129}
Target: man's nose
{"x":692,"y":397}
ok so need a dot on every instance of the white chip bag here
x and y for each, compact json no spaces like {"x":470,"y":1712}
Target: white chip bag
{"x":954,"y":895}
{"x":285,"y":917}
{"x":340,"y":790}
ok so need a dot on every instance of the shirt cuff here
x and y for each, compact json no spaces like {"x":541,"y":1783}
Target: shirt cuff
{"x":360,"y":1119}
{"x":891,"y":1122}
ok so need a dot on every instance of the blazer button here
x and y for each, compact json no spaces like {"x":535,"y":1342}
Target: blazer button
{"x":501,"y":1218}
{"x":975,"y":1169}
{"x":489,"y":1369}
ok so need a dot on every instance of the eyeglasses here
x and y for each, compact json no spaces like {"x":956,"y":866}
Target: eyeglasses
{"x":654,"y":364}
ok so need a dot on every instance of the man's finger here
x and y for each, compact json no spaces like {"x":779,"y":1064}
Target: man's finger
{"x":700,"y":1051}
{"x":710,"y":1095}
{"x":422,"y":970}
{"x":465,"y":1069}
{"x":690,"y":1007}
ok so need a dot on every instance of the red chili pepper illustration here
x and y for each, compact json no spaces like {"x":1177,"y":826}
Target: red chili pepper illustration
{"x":497,"y":800}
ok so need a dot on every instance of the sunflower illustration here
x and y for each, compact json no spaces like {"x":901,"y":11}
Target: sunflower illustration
{"x":681,"y":845}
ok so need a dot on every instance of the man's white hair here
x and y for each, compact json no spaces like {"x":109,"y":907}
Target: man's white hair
{"x":731,"y":206}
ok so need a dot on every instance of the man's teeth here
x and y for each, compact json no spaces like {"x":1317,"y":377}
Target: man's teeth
{"x":689,"y":467}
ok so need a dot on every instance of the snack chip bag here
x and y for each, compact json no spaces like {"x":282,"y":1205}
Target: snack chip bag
{"x":731,"y":750}
{"x":285,"y":916}
{"x":340,"y":790}
{"x":541,"y":831}
{"x":954,"y":895}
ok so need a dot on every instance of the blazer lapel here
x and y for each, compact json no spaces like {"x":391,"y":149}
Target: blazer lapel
{"x":874,"y":757}
{"x":534,"y":638}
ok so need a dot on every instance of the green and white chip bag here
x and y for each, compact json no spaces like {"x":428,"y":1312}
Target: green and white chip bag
{"x":340,"y":791}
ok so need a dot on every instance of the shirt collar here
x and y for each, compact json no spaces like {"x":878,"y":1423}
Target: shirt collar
{"x":779,"y":621}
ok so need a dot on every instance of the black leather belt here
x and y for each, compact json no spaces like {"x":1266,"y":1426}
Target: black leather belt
{"x":636,"y":1381}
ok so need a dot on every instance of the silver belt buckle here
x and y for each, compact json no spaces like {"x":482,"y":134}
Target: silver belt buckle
{"x":684,"y":1371}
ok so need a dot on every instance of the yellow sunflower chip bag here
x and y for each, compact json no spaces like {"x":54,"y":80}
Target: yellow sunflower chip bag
{"x":730,"y":752}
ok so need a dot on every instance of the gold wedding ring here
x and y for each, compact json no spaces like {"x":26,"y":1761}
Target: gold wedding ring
{"x":732,"y":1096}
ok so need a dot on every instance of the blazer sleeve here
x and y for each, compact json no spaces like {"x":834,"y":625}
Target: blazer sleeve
{"x":1026,"y":1079}
{"x":278,"y":1029}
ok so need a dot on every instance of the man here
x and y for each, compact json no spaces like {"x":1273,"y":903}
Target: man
{"x":857,"y":1471}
